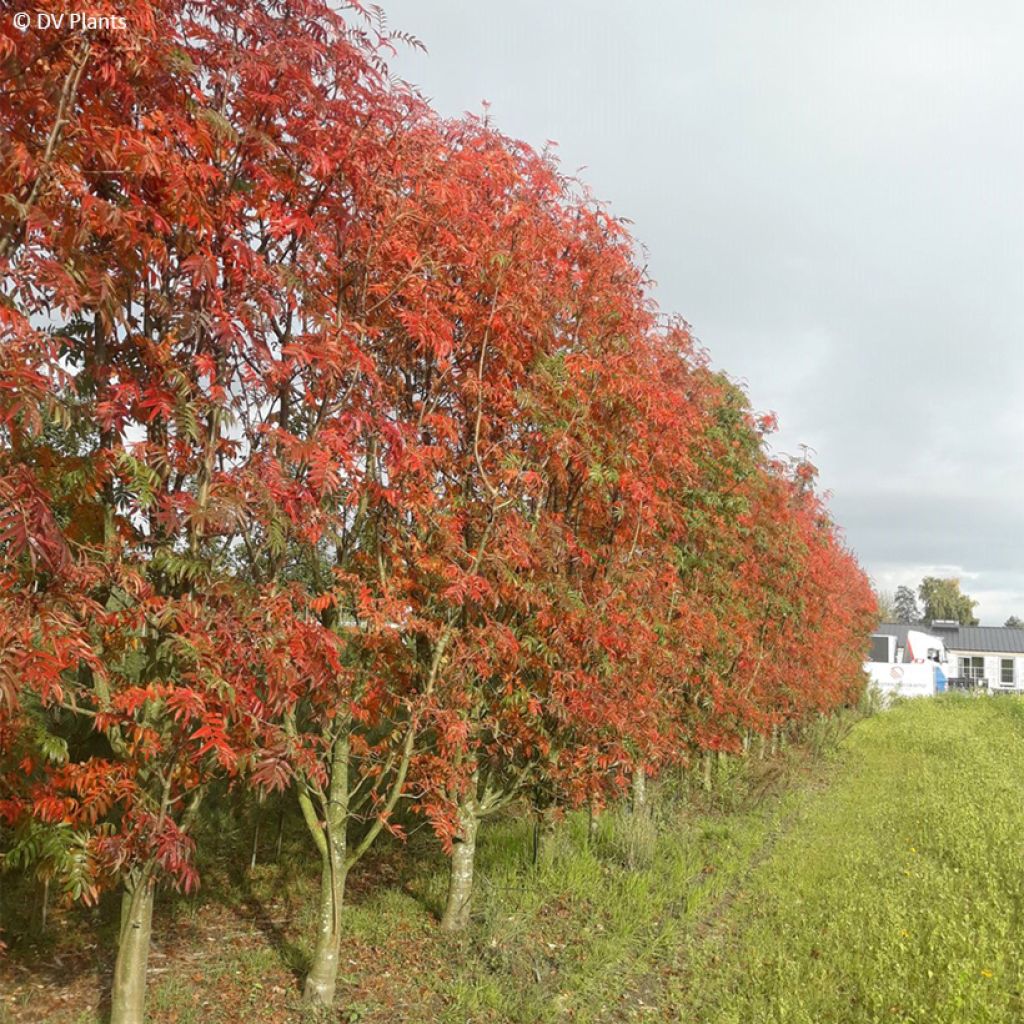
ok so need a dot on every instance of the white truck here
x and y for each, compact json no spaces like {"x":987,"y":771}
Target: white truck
{"x":914,"y":670}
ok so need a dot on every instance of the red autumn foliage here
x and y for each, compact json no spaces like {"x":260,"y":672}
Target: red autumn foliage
{"x":343,"y":450}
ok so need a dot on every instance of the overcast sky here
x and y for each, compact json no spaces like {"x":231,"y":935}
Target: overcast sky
{"x":832,"y":194}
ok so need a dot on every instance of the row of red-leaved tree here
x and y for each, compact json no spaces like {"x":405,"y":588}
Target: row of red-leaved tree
{"x":342,"y":453}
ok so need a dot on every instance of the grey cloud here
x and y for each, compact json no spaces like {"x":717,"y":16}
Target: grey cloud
{"x":832,"y":195}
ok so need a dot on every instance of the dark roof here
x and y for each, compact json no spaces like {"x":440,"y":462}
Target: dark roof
{"x":998,"y":639}
{"x":896,"y":629}
{"x":991,"y":639}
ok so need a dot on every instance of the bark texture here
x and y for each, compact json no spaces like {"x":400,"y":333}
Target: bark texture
{"x":128,"y":996}
{"x":460,"y":881}
{"x":639,"y":790}
{"x":322,"y":979}
{"x":330,"y":837}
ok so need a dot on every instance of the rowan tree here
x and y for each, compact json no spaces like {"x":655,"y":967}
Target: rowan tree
{"x":159,"y":184}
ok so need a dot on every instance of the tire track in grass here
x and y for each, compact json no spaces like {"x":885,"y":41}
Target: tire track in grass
{"x":652,"y":995}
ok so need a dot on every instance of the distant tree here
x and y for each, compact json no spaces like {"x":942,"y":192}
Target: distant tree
{"x":943,"y":599}
{"x":904,"y":606}
{"x":886,"y":605}
{"x":1013,"y":622}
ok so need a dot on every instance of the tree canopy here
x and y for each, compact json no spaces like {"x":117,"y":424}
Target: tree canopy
{"x":904,"y":605}
{"x":943,"y":599}
{"x":343,"y":452}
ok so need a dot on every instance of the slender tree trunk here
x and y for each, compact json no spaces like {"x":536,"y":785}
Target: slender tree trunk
{"x":330,"y":837}
{"x":46,"y":904}
{"x":708,"y":761}
{"x":591,"y":823}
{"x":543,"y":833}
{"x":255,"y":840}
{"x":128,"y":996}
{"x":322,"y":980}
{"x":280,"y":836}
{"x":460,"y":880}
{"x":639,"y":790}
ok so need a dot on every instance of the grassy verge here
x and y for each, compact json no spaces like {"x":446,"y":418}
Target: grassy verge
{"x":897,"y":897}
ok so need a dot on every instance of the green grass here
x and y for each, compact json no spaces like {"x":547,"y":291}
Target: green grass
{"x":563,"y":941}
{"x":874,"y":881}
{"x":898,"y":895}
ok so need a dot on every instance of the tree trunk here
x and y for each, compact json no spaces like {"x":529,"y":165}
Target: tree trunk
{"x":639,"y":790}
{"x":708,"y":761}
{"x":280,"y":836}
{"x":44,"y":909}
{"x":330,"y":836}
{"x":543,"y":834}
{"x":128,"y":996}
{"x":322,"y":979}
{"x":255,"y":840}
{"x":460,"y":880}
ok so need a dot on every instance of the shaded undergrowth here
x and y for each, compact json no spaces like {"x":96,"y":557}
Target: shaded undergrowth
{"x":583,"y":931}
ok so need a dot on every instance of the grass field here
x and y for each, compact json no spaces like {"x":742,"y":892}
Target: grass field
{"x":897,"y":896}
{"x":880,"y":882}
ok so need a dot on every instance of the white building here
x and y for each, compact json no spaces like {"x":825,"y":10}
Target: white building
{"x":985,"y":657}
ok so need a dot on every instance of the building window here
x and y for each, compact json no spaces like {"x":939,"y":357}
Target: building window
{"x":972,"y":667}
{"x":1006,"y":671}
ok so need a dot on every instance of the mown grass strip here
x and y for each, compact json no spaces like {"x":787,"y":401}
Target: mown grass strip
{"x":899,"y":896}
